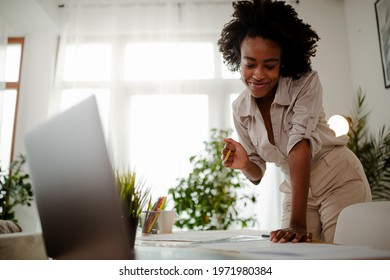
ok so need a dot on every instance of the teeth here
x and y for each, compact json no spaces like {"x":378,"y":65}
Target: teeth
{"x":258,"y":85}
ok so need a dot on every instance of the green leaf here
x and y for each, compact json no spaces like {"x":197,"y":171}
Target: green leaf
{"x":133,"y":193}
{"x":207,"y":198}
{"x":373,"y":151}
{"x":15,"y":189}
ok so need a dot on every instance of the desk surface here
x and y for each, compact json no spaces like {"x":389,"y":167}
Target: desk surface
{"x":242,"y":244}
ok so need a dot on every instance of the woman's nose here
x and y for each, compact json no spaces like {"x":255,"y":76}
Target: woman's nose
{"x":258,"y":73}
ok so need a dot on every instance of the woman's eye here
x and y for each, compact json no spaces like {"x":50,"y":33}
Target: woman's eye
{"x":270,"y":67}
{"x":249,"y":65}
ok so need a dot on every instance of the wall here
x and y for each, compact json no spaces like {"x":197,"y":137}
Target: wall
{"x":365,"y":60}
{"x":36,"y":78}
{"x":26,"y":18}
{"x":348,"y":57}
{"x":332,"y":60}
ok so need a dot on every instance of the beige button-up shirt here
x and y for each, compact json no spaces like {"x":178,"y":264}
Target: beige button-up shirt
{"x":297,"y":113}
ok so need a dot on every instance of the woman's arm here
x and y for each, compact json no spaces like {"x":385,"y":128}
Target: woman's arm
{"x":303,"y":144}
{"x":299,"y":163}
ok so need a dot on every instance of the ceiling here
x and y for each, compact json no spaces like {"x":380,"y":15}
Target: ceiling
{"x":29,"y":16}
{"x":26,"y":16}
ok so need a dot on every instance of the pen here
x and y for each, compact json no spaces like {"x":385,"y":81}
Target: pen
{"x":227,"y":155}
{"x":265,"y":235}
{"x":150,"y":202}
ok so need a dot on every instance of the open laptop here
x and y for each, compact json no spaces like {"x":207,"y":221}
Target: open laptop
{"x":74,"y":187}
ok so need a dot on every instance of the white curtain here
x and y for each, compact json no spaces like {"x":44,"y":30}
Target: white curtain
{"x":3,"y":47}
{"x":159,"y":80}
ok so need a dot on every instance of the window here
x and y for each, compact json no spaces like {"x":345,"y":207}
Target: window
{"x":9,"y":99}
{"x":159,"y":100}
{"x":169,"y":61}
{"x":165,"y":131}
{"x":81,"y":63}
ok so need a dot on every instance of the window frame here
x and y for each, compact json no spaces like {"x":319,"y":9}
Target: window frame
{"x":15,"y":86}
{"x":218,"y":89}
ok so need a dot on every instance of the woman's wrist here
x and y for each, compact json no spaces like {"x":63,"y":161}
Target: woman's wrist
{"x":297,"y":227}
{"x":252,"y":171}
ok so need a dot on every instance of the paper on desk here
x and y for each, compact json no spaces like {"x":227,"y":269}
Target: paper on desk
{"x":303,"y":251}
{"x":191,"y":237}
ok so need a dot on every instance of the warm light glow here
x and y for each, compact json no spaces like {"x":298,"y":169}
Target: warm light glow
{"x":339,"y":125}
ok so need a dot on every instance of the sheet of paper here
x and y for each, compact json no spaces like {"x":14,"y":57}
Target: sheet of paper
{"x":195,"y":237}
{"x":269,"y":250}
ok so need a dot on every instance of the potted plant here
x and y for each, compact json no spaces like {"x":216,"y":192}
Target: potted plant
{"x":134,"y":196}
{"x":15,"y":189}
{"x":208,"y":198}
{"x":373,"y":152}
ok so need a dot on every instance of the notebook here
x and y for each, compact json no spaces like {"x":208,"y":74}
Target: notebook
{"x":74,"y":187}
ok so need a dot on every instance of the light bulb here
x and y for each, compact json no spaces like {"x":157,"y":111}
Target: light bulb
{"x":338,"y":124}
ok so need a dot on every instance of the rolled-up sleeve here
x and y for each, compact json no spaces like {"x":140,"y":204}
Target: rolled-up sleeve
{"x":242,"y":124}
{"x":307,"y":110}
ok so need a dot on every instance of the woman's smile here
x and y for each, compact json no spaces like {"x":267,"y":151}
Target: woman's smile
{"x":260,"y":65}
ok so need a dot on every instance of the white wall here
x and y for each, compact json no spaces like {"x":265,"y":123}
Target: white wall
{"x":36,"y":78}
{"x":332,"y":59}
{"x":36,"y":82}
{"x":348,"y":57}
{"x":26,"y":18}
{"x":365,"y":60}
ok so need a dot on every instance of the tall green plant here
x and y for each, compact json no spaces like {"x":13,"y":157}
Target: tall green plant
{"x":208,"y":198}
{"x":133,"y":193}
{"x":372,"y":150}
{"x":15,"y":189}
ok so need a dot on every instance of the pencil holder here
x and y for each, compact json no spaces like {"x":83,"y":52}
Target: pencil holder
{"x":149,"y":221}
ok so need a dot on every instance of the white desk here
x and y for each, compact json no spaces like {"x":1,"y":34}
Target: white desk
{"x":241,"y":244}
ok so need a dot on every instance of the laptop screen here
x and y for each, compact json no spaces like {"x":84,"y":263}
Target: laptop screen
{"x":74,"y":187}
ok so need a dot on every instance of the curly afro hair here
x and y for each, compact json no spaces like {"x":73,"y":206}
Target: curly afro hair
{"x":273,"y":20}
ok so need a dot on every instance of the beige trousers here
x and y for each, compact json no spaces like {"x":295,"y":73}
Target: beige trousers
{"x":337,"y":181}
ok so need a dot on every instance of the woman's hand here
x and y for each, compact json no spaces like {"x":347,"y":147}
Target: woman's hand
{"x":293,"y":233}
{"x":237,"y":158}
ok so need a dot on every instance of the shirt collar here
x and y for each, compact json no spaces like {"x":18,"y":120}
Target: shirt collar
{"x":283,"y":96}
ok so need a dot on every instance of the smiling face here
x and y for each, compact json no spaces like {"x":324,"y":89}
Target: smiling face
{"x":260,"y":65}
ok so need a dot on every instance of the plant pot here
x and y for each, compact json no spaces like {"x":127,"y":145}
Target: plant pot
{"x":133,"y":224}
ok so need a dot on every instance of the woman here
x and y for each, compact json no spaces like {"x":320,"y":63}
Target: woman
{"x":279,"y":118}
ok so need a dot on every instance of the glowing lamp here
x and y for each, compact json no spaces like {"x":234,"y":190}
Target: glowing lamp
{"x":339,"y":125}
